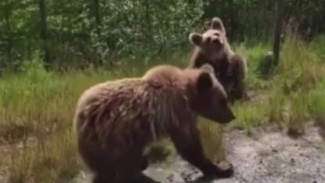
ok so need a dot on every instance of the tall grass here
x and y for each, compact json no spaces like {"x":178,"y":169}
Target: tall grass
{"x":316,"y":103}
{"x":300,"y":73}
{"x":36,"y":110}
{"x":296,"y":91}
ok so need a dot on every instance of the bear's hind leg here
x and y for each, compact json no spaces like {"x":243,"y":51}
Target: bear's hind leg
{"x":130,"y":165}
{"x":238,"y":91}
{"x":126,"y":168}
{"x":144,"y":162}
{"x":102,"y":178}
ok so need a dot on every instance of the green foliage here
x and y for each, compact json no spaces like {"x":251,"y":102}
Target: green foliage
{"x":99,"y":32}
{"x":104,"y":32}
{"x":148,"y":27}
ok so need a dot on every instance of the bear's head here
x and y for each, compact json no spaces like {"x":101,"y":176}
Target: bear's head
{"x":208,"y":98}
{"x":212,"y":43}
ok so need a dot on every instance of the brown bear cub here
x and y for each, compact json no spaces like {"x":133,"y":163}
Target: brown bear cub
{"x":212,"y":47}
{"x":115,"y":120}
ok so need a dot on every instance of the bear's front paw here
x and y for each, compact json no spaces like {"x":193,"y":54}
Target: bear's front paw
{"x":226,"y":169}
{"x":222,"y":169}
{"x":144,"y":163}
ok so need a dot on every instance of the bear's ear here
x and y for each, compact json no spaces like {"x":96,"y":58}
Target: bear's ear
{"x":195,"y":39}
{"x":204,"y":81}
{"x":217,"y":24}
{"x":207,"y":68}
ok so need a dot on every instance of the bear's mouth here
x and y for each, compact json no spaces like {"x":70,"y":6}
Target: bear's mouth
{"x":217,"y":43}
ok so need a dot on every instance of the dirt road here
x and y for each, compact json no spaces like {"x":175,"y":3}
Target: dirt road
{"x":267,"y":156}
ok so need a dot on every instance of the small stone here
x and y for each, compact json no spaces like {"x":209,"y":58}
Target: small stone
{"x":196,"y":171}
{"x":275,"y":150}
{"x":176,"y":178}
{"x":170,"y":178}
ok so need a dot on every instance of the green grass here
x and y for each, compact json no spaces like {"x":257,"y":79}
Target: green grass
{"x":253,"y":56}
{"x":36,"y":107}
{"x":249,"y":116}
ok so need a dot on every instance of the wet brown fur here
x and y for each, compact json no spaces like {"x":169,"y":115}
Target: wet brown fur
{"x":230,"y":68}
{"x":115,"y":120}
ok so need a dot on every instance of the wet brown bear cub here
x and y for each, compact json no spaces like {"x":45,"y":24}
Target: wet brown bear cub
{"x":115,"y":120}
{"x":212,"y":47}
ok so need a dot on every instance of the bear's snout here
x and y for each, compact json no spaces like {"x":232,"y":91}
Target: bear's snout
{"x":232,"y":117}
{"x":228,"y":116}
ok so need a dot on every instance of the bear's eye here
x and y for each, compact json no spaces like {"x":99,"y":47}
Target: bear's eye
{"x":217,"y":34}
{"x":208,"y":40}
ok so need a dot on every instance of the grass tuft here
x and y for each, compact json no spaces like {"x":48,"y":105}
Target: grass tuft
{"x":211,"y":139}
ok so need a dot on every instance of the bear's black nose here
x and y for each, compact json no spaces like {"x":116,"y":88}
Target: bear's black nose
{"x":217,"y":41}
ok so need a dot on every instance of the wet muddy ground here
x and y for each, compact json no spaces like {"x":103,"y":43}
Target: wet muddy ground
{"x":266,"y":156}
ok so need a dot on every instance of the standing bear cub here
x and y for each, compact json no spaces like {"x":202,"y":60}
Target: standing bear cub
{"x":114,"y":121}
{"x":212,"y":47}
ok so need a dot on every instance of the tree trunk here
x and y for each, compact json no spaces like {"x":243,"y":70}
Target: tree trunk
{"x":43,"y":32}
{"x":277,"y":32}
{"x":8,"y":27}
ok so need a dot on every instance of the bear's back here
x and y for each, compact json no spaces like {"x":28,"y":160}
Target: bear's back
{"x":116,"y":108}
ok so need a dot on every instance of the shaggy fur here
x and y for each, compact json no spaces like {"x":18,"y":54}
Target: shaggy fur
{"x":212,"y":47}
{"x":115,"y":120}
